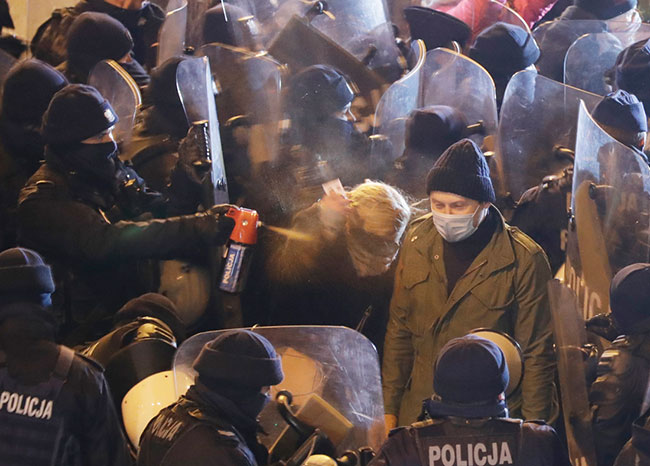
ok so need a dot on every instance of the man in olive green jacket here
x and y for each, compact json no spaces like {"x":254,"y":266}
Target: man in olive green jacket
{"x":462,"y":267}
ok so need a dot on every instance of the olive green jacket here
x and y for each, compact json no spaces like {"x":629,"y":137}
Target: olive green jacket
{"x":503,"y":289}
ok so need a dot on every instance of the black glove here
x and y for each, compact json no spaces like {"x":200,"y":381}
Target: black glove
{"x":214,"y":226}
{"x":604,"y":326}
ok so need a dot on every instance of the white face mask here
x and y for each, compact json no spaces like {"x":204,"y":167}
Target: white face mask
{"x":454,"y":228}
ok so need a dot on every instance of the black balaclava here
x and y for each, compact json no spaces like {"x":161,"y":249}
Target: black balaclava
{"x":28,"y":89}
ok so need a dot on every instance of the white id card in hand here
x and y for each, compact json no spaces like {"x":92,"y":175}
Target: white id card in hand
{"x":334,"y":187}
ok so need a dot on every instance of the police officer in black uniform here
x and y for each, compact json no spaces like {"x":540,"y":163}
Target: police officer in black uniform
{"x":92,"y":216}
{"x":215,"y":422}
{"x":55,"y":406}
{"x":467,"y":417}
{"x":623,"y":117}
{"x":27,"y":91}
{"x":620,"y":392}
{"x":637,"y":450}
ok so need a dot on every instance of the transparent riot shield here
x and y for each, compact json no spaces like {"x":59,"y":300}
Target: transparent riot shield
{"x":570,"y":336}
{"x":610,"y":225}
{"x":356,"y":37}
{"x":119,"y":88}
{"x":449,"y":78}
{"x":538,"y":116}
{"x":591,"y":56}
{"x":171,"y":37}
{"x":481,"y":15}
{"x":335,"y":364}
{"x":196,"y":91}
{"x":249,"y":86}
{"x":555,"y":37}
{"x":399,"y":100}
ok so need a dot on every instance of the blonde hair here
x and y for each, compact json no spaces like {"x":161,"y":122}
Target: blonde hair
{"x":380,"y":209}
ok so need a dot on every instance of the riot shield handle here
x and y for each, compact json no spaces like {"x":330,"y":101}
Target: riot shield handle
{"x":564,"y":153}
{"x":476,"y":128}
{"x":319,"y":7}
{"x":284,"y":399}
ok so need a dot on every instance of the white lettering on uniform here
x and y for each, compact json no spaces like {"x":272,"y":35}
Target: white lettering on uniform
{"x":30,"y":406}
{"x":477,"y":455}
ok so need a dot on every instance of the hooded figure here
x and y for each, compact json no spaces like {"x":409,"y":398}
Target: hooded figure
{"x":65,"y":414}
{"x":503,"y":49}
{"x":467,"y":412}
{"x":619,"y":393}
{"x":94,"y":37}
{"x":217,"y":418}
{"x":27,"y":91}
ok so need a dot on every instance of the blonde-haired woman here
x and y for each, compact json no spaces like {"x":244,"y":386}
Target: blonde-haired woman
{"x":338,"y":272}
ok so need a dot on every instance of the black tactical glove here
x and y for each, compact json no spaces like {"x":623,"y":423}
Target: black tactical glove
{"x":604,"y":326}
{"x":214,"y":226}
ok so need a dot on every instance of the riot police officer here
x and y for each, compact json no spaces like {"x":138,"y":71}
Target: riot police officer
{"x":619,"y":394}
{"x":79,"y":210}
{"x":215,"y":422}
{"x":27,"y":91}
{"x":468,"y":419}
{"x":94,"y":37}
{"x":55,"y":406}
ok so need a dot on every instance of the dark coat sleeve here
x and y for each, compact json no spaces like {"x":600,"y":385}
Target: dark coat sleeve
{"x":74,"y":229}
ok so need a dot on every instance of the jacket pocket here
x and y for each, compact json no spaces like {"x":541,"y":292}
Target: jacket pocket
{"x":495,"y":295}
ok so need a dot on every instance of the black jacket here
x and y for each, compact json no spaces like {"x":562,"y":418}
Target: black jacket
{"x":194,"y":432}
{"x":488,"y":441}
{"x":97,"y":255}
{"x":80,"y":426}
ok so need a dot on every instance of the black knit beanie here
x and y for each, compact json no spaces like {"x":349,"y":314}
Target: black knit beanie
{"x":75,"y":113}
{"x":241,"y":358}
{"x":94,"y":37}
{"x":503,"y":49}
{"x":28,"y":89}
{"x":462,"y":170}
{"x":430,"y":130}
{"x":629,"y":298}
{"x":24,"y":279}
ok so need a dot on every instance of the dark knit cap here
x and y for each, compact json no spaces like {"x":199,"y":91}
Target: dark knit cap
{"x":24,"y":278}
{"x":235,"y":31}
{"x":153,"y":305}
{"x":162,"y":88}
{"x":320,"y":89}
{"x":622,"y":111}
{"x":431,"y":130}
{"x":462,"y":170}
{"x":436,"y":28}
{"x":503,"y":49}
{"x":606,"y":9}
{"x":239,"y":357}
{"x":470,"y":369}
{"x":28,"y":89}
{"x":629,"y":297}
{"x":632,"y":70}
{"x":77,"y":112}
{"x":94,"y":37}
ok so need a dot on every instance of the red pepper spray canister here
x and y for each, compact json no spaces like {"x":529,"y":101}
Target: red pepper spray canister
{"x":240,"y":249}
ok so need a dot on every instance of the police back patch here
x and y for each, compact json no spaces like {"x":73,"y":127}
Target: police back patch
{"x":483,"y":450}
{"x":25,"y":405}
